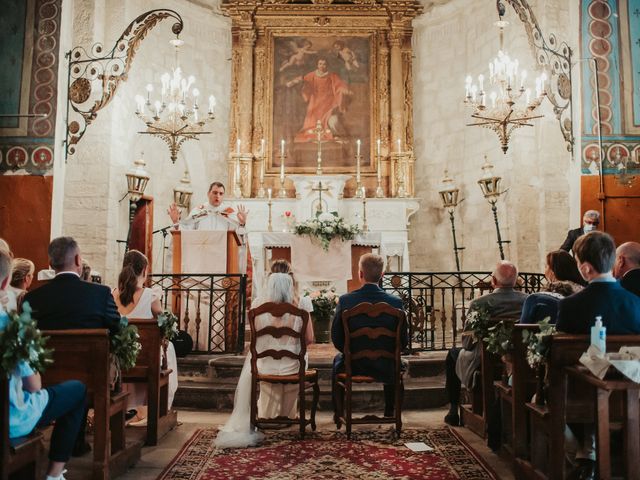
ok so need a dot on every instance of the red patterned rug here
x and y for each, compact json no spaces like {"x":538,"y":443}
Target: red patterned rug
{"x":329,"y":455}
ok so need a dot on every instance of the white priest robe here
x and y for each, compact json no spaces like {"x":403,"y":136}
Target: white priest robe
{"x":209,"y":217}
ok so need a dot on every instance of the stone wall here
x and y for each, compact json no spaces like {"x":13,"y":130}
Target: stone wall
{"x":450,"y":42}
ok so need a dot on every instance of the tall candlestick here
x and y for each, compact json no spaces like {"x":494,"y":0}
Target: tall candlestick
{"x":282,"y":169}
{"x":238,"y":170}
{"x":378,"y":147}
{"x":238,"y":146}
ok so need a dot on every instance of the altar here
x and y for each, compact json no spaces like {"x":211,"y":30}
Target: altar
{"x":384,"y":221}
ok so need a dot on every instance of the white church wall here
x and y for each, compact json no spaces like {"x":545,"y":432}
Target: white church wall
{"x":450,"y":42}
{"x":95,"y":212}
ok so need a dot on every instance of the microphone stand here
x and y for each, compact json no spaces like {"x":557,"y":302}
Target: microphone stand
{"x":165,"y":232}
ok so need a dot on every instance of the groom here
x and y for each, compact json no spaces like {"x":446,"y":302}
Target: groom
{"x":371,"y":269}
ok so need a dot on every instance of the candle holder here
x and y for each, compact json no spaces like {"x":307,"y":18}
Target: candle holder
{"x":282,"y":193}
{"x":359,"y":187}
{"x":490,"y":185}
{"x":449,"y":196}
{"x":379,"y":189}
{"x":365,"y":227}
{"x":262,"y":192}
{"x":269,"y":225}
{"x":400,"y":165}
{"x":237,"y":175}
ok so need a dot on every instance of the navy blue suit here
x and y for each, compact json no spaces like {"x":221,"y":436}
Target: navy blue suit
{"x":619,"y":308}
{"x":381,"y":369}
{"x":572,"y":236}
{"x":631,"y":281}
{"x":67,"y":302}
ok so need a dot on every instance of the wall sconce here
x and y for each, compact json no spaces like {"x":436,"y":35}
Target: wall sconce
{"x":449,"y":195}
{"x":137,"y":179}
{"x":183,"y":191}
{"x":490,"y":185}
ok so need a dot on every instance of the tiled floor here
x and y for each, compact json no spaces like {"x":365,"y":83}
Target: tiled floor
{"x":154,"y":459}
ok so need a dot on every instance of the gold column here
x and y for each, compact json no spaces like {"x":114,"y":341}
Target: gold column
{"x":245,"y":88}
{"x":397,"y":88}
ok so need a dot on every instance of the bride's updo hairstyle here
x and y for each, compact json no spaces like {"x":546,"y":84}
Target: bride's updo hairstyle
{"x":280,"y":288}
{"x":133,"y":266}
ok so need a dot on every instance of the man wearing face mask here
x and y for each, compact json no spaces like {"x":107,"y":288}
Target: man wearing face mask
{"x":590,"y":222}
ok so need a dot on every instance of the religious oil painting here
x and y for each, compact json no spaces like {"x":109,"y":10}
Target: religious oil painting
{"x":322,"y":91}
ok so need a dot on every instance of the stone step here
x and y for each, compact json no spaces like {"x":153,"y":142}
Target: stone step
{"x":421,"y":393}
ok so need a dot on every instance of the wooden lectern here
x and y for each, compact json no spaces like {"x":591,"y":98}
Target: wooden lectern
{"x":231,"y":297}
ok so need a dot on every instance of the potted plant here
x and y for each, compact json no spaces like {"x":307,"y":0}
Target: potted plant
{"x":324,"y":308}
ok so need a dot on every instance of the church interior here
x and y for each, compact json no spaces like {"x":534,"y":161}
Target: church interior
{"x":442,"y":136}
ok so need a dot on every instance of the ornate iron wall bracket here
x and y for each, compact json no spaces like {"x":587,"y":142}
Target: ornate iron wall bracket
{"x":557,"y":57}
{"x":87,"y":71}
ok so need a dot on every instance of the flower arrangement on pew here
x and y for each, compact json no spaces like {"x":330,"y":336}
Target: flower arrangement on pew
{"x":538,"y":343}
{"x":168,"y":324}
{"x":325,"y":227}
{"x":22,"y":341}
{"x":125,"y":347}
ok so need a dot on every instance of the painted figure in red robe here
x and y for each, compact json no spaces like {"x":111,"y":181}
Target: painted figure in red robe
{"x":325,"y":94}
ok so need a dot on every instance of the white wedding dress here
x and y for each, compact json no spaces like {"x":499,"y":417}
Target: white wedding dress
{"x":274,"y":400}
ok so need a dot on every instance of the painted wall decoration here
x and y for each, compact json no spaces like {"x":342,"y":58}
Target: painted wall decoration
{"x":29,"y":35}
{"x":326,"y":79}
{"x":610,"y":33}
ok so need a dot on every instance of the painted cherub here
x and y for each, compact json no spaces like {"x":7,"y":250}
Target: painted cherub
{"x":346,"y":54}
{"x":299,"y":53}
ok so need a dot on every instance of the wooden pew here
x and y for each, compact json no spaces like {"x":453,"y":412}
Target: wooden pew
{"x":84,"y":355}
{"x":148,"y":369}
{"x":20,"y":457}
{"x":547,"y":422}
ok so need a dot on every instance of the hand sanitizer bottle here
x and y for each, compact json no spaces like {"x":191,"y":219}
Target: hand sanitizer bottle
{"x":599,"y":335}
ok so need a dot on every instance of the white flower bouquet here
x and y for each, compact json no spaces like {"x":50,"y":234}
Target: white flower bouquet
{"x":325,"y":227}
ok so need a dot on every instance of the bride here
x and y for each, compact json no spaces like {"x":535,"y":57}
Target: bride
{"x":274,"y":400}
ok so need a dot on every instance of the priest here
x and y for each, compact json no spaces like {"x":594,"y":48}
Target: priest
{"x":211,"y":216}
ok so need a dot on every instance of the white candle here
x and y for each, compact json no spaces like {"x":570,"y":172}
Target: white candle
{"x":282,"y":170}
{"x":358,"y":147}
{"x":358,"y":165}
{"x":282,"y":147}
{"x":269,"y":193}
{"x":262,"y":148}
{"x":378,"y":147}
{"x":399,"y":146}
{"x":238,"y":146}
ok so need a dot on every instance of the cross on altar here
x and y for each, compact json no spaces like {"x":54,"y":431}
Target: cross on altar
{"x":319,"y":131}
{"x":319,"y":189}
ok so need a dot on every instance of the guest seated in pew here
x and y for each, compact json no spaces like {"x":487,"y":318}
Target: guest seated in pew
{"x":66,"y":302}
{"x":461,"y":363}
{"x":564,"y":280}
{"x":7,"y":297}
{"x":620,"y":311}
{"x":31,"y":406}
{"x":370,"y":271}
{"x":22,"y":271}
{"x":627,"y":266}
{"x":134,"y":300}
{"x":273,"y":401}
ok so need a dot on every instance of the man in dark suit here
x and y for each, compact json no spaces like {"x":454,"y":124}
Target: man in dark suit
{"x":505,"y":302}
{"x":371,"y":268}
{"x":590,"y":221}
{"x":620,"y":311}
{"x":627,"y":266}
{"x":67,"y":302}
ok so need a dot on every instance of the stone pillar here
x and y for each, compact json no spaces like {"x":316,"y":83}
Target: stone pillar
{"x":397,"y":89}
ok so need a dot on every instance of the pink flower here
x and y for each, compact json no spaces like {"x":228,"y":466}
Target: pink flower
{"x":287,"y":213}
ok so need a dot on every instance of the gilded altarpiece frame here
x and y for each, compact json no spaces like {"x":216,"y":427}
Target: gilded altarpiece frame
{"x":268,"y":36}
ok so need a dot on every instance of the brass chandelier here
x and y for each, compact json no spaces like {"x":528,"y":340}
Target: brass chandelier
{"x":510,"y":104}
{"x":175,"y":116}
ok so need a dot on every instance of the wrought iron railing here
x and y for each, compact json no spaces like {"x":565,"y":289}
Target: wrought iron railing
{"x":210,"y":307}
{"x":437,"y":302}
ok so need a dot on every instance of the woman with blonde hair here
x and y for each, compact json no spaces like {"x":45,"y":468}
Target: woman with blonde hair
{"x":274,"y":400}
{"x":22,"y":271}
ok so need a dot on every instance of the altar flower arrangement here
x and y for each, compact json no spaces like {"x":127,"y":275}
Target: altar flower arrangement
{"x":327,"y":226}
{"x":20,"y":340}
{"x":289,"y":220}
{"x":324,"y":308}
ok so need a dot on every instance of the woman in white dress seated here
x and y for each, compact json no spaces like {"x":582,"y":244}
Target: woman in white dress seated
{"x":134,"y":300}
{"x":273,"y":400}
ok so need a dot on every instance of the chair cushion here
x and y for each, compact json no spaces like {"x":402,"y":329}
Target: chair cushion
{"x":357,"y":378}
{"x":308,"y":376}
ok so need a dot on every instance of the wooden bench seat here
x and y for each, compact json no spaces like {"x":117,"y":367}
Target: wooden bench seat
{"x":84,"y":355}
{"x":148,"y":370}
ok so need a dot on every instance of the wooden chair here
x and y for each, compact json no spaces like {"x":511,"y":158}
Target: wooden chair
{"x":565,"y":403}
{"x":20,"y":457}
{"x":346,"y":380}
{"x":84,"y":355}
{"x":303,"y":378}
{"x":148,"y":369}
